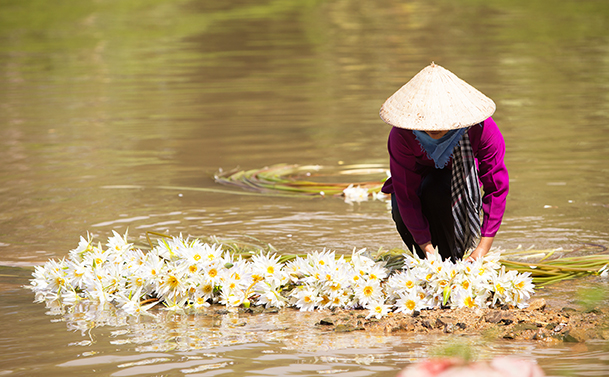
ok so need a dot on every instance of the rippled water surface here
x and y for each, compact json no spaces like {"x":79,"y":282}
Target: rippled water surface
{"x":115,"y":115}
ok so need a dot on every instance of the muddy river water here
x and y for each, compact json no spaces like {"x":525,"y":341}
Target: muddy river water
{"x":115,"y":115}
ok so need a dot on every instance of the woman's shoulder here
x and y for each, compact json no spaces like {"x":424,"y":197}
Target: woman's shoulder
{"x":486,"y":130}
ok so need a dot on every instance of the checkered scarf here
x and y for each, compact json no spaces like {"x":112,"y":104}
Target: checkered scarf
{"x":466,"y":197}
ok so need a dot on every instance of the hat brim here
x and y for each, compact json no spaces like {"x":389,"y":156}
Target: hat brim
{"x":435,"y":99}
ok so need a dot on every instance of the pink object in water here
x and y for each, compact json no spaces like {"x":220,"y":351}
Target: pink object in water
{"x":498,"y":367}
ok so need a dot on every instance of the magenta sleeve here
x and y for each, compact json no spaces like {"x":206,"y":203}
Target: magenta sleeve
{"x":493,"y":175}
{"x":406,"y":182}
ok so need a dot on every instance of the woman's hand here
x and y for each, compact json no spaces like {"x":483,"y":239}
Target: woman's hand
{"x":483,"y":247}
{"x":428,"y":249}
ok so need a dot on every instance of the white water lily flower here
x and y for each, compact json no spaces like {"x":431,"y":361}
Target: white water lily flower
{"x":306,"y":298}
{"x":267,"y":267}
{"x":176,"y":306}
{"x":604,"y":272}
{"x":501,"y":284}
{"x":409,"y":301}
{"x":355,"y":194}
{"x":132,"y":305}
{"x":368,"y":291}
{"x":521,"y":288}
{"x":70,"y":297}
{"x":76,"y":254}
{"x":97,"y":257}
{"x":200,"y":302}
{"x":96,"y":292}
{"x":361,"y":263}
{"x":232,"y":298}
{"x":339,"y":299}
{"x":412,"y":260}
{"x":55,"y":275}
{"x":461,"y":298}
{"x":379,"y":195}
{"x":377,"y":309}
{"x":173,"y":285}
{"x":323,"y":259}
{"x":211,"y":253}
{"x":118,"y":243}
{"x":270,"y":295}
{"x":402,"y":281}
{"x":204,"y":292}
{"x":212,"y":273}
{"x":295,"y":269}
{"x":378,"y":272}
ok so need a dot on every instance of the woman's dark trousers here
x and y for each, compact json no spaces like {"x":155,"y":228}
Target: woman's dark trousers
{"x":436,"y":206}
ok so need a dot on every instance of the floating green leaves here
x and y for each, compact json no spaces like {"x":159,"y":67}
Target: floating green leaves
{"x":308,"y":180}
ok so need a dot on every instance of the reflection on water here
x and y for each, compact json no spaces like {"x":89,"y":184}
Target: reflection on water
{"x":164,"y":93}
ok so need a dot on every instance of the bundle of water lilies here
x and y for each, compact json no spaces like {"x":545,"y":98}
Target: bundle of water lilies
{"x":182,"y":274}
{"x":310,"y":180}
{"x":556,"y":265}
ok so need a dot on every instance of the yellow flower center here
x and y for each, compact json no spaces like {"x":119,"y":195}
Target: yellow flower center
{"x":207,"y":289}
{"x":465,"y":284}
{"x":212,"y":273}
{"x":368,"y":291}
{"x":469,"y":302}
{"x":192,"y":269}
{"x":410,"y":304}
{"x":196,"y":257}
{"x":173,"y":282}
{"x":324,"y":300}
{"x":270,"y":270}
{"x":409,"y":284}
{"x":499,"y":288}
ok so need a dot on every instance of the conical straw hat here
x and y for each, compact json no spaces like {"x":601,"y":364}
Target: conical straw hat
{"x":436,"y":100}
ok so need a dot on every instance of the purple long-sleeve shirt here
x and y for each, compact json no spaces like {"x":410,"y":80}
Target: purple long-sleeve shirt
{"x":409,"y":164}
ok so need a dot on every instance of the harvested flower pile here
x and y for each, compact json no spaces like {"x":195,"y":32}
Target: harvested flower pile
{"x":189,"y":274}
{"x":391,"y":292}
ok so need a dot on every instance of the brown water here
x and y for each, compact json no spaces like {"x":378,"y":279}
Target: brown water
{"x":95,"y":95}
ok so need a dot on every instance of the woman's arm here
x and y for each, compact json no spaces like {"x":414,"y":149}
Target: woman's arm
{"x":483,"y":247}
